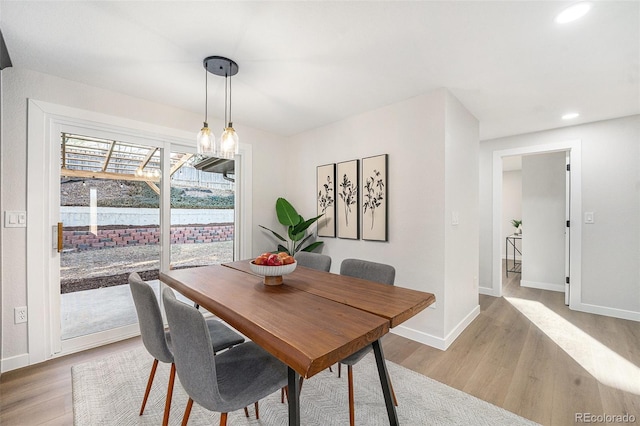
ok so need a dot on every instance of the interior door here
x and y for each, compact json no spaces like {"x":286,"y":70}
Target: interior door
{"x":567,"y":233}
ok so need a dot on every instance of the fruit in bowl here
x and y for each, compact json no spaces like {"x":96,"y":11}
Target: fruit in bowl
{"x":273,"y":266}
{"x":274,"y":259}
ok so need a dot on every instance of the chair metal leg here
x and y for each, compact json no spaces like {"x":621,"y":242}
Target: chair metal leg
{"x":187,"y":412}
{"x":167,"y":404}
{"x":352,"y":420}
{"x":246,"y":412}
{"x":223,"y":419}
{"x":257,"y":411}
{"x":339,"y":369}
{"x":149,"y":383}
{"x":285,"y":390}
{"x":393,"y":393}
{"x":352,"y":416}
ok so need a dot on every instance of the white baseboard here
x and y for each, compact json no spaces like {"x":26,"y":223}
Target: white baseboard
{"x":437,"y":342}
{"x":14,"y":362}
{"x":462,"y":325}
{"x":543,"y":286}
{"x":420,"y":337}
{"x":610,"y":312}
{"x":488,"y":291}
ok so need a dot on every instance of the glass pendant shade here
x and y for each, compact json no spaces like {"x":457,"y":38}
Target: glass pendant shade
{"x":229,"y":142}
{"x":205,"y":141}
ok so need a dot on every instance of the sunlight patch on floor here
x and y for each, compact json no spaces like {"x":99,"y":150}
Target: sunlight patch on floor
{"x":604,"y":364}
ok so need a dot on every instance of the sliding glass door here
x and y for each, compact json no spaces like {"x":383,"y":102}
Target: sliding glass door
{"x":202,"y":214}
{"x":110,"y":217}
{"x":110,"y":226}
{"x":98,"y":193}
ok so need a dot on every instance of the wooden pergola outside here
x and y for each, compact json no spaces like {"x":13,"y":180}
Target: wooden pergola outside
{"x":93,"y":158}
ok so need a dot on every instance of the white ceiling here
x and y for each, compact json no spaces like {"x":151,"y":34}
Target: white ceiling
{"x":307,"y":64}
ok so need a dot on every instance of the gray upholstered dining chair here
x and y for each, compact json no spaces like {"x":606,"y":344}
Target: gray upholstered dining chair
{"x":318,"y":261}
{"x":372,"y":271}
{"x":158,"y":342}
{"x":227,"y":381}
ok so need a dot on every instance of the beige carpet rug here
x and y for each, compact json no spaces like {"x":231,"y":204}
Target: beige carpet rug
{"x":110,"y":391}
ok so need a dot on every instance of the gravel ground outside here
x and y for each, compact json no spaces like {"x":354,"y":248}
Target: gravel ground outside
{"x":90,"y":269}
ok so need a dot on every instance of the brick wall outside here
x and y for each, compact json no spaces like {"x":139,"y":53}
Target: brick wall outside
{"x":106,"y":238}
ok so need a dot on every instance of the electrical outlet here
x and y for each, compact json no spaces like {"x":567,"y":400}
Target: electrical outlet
{"x":20,"y":314}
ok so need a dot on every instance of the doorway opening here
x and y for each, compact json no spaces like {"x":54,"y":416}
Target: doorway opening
{"x":573,"y":256}
{"x":536,"y":192}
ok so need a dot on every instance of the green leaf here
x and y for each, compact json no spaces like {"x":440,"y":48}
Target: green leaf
{"x":303,"y":225}
{"x":295,"y":236}
{"x":313,"y":246}
{"x":287,"y":215}
{"x":280,"y":237}
{"x":299,"y":246}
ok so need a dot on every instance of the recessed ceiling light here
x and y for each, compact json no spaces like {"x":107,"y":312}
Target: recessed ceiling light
{"x":573,"y":12}
{"x":570,"y":116}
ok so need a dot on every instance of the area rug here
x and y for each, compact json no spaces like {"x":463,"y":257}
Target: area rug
{"x":109,"y":392}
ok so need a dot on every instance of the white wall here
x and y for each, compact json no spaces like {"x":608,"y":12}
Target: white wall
{"x":1,"y":212}
{"x":18,"y":86}
{"x":511,"y":204}
{"x":461,"y":201}
{"x":610,"y":247}
{"x":413,"y":133}
{"x":544,"y":213}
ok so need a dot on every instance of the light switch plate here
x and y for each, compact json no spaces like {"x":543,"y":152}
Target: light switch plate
{"x":455,"y":218}
{"x":15,"y":219}
{"x":588,"y":217}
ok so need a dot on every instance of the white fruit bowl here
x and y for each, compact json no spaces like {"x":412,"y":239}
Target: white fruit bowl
{"x":273,"y":274}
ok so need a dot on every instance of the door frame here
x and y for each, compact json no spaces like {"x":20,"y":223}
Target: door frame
{"x":573,"y":148}
{"x":45,"y":122}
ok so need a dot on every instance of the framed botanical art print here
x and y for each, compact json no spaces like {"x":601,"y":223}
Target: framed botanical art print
{"x":374,"y":198}
{"x":347,"y":208}
{"x":326,"y":199}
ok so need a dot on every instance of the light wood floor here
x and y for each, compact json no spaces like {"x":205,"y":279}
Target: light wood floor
{"x":503,"y":357}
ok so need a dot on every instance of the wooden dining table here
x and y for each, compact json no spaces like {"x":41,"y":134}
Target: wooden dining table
{"x":310,"y":322}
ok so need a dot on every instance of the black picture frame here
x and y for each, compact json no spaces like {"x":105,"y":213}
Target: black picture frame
{"x":326,"y":199}
{"x":374,"y":196}
{"x":347,"y":199}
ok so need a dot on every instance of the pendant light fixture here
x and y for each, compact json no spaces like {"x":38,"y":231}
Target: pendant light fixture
{"x":228,"y":145}
{"x":206,"y":139}
{"x":229,"y":139}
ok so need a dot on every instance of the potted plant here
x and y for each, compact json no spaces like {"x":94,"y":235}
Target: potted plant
{"x":518,"y":225}
{"x":296,"y":229}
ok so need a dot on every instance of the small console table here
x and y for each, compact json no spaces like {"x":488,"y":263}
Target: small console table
{"x":511,"y":241}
